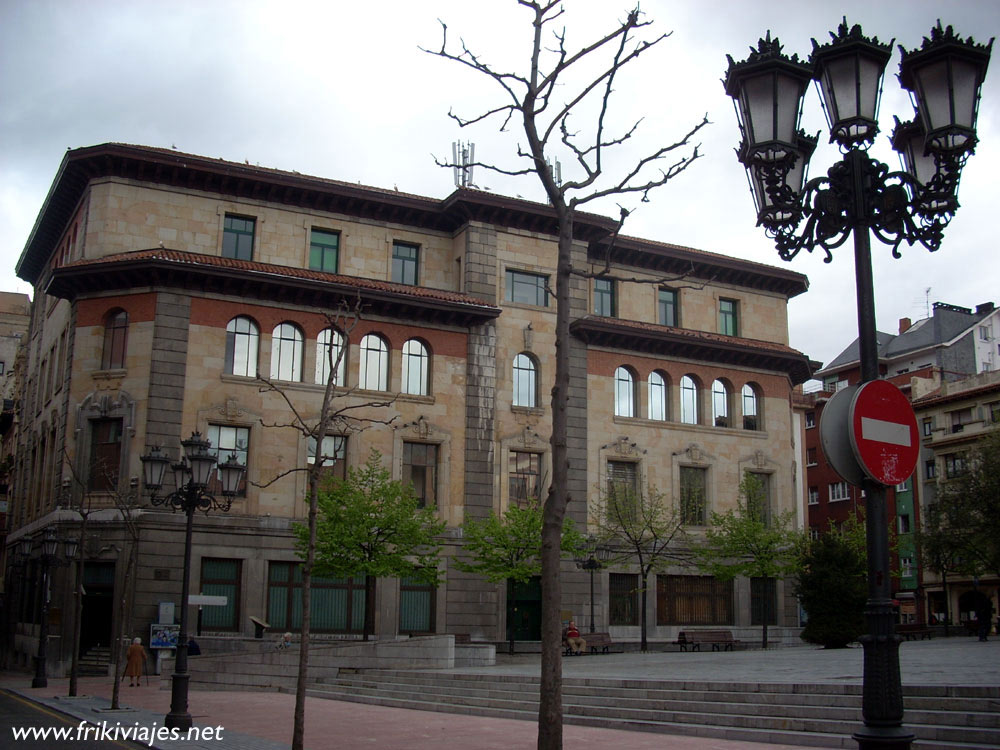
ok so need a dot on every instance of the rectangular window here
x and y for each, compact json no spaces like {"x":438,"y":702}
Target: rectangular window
{"x":763,"y":601}
{"x":227,"y":440}
{"x":527,"y":288}
{"x":927,"y":425}
{"x":813,"y":533}
{"x":405,"y":258}
{"x":810,"y":419}
{"x":759,"y":504}
{"x":623,"y":479}
{"x":954,"y":465}
{"x":693,"y":600}
{"x":324,"y":250}
{"x":693,"y":495}
{"x":420,"y":468}
{"x":728,"y":311}
{"x":839,"y":491}
{"x":904,"y":523}
{"x":668,"y":309}
{"x":623,"y":599}
{"x":338,"y":604}
{"x":416,"y":607}
{"x":237,"y":237}
{"x":604,"y":298}
{"x":905,"y":485}
{"x":992,"y":409}
{"x":814,"y":495}
{"x":984,"y":333}
{"x":221,"y":577}
{"x":334,"y":455}
{"x":930,"y":470}
{"x":810,"y":456}
{"x":524,"y":477}
{"x":906,"y":566}
{"x":105,"y":454}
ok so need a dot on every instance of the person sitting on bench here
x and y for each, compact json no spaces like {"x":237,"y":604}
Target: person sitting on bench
{"x":572,"y":639}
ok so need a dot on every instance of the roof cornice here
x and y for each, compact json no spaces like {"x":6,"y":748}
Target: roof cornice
{"x":246,"y":181}
{"x":696,"y":345}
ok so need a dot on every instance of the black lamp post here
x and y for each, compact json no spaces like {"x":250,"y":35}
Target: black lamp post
{"x":49,"y":547}
{"x":592,"y":564}
{"x":191,"y":478}
{"x":860,"y":195}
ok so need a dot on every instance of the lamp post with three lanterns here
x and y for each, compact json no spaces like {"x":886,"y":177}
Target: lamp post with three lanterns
{"x":191,"y":479}
{"x":858,"y":196}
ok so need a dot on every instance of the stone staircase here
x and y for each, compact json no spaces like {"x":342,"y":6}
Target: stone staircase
{"x":95,"y":661}
{"x":813,"y":715}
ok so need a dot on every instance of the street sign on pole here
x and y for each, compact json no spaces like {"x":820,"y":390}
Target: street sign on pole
{"x":884,"y":433}
{"x":833,"y":428}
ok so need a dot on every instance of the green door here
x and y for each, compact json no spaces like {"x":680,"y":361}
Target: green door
{"x":524,"y":618}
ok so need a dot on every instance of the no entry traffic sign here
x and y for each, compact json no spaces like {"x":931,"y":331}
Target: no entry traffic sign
{"x":884,"y":433}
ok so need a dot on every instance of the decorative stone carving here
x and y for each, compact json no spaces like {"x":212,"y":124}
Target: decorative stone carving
{"x":231,"y":409}
{"x":623,"y":447}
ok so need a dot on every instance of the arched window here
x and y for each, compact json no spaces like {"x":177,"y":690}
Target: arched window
{"x":624,"y":393}
{"x":374,"y":363}
{"x":689,"y":400}
{"x":286,"y":352}
{"x":525,"y":381}
{"x":115,"y":340}
{"x":242,"y":339}
{"x":751,"y":409}
{"x":416,"y":368}
{"x":720,"y":404}
{"x":657,"y":396}
{"x":329,"y":344}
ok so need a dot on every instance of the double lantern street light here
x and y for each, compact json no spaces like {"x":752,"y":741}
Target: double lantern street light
{"x":597,"y":557}
{"x":49,"y":547}
{"x":857,"y":196}
{"x":192,"y":476}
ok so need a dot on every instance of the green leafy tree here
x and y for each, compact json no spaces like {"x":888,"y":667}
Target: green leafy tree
{"x":832,"y":586}
{"x":750,"y":540}
{"x":640,"y":527}
{"x":508,"y":548}
{"x":371,"y":525}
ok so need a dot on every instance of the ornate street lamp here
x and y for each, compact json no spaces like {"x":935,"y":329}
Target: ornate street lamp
{"x":191,"y":478}
{"x":592,"y":564}
{"x":858,"y":196}
{"x":49,"y":548}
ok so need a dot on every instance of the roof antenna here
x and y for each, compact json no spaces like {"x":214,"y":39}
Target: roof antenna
{"x":463,"y":158}
{"x":927,"y":302}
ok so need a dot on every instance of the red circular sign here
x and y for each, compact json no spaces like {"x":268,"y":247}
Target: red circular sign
{"x":884,"y":432}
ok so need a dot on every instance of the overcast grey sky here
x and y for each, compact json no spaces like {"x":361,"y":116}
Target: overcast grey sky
{"x":341,"y":90}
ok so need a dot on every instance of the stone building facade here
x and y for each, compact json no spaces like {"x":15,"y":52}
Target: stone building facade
{"x":165,"y":282}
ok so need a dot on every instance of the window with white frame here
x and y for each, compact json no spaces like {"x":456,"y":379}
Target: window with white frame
{"x":720,"y":404}
{"x":333,"y":455}
{"x":814,"y":495}
{"x":374,"y":366}
{"x":329,"y":354}
{"x":525,"y":381}
{"x":286,"y":352}
{"x":228,"y":440}
{"x":689,"y":400}
{"x":810,"y":419}
{"x":624,"y":392}
{"x":416,"y":368}
{"x":839,"y":491}
{"x":242,"y":341}
{"x":751,"y":408}
{"x":657,"y":393}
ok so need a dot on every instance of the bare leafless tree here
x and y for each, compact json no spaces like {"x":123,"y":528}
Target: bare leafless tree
{"x":544,"y":101}
{"x":339,"y":414}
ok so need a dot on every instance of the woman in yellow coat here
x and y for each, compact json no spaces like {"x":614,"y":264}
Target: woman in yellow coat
{"x":135,"y":660}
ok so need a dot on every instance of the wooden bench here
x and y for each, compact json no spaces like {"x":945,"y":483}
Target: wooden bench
{"x":914,"y":632}
{"x":597,"y":643}
{"x":720,"y":640}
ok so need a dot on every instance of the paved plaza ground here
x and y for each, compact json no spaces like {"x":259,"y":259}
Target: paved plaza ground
{"x":263,"y":721}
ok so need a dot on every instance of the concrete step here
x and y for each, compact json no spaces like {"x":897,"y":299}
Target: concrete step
{"x":814,"y":715}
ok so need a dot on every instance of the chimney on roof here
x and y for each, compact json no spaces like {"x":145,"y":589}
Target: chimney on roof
{"x":986,"y":307}
{"x":904,"y":325}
